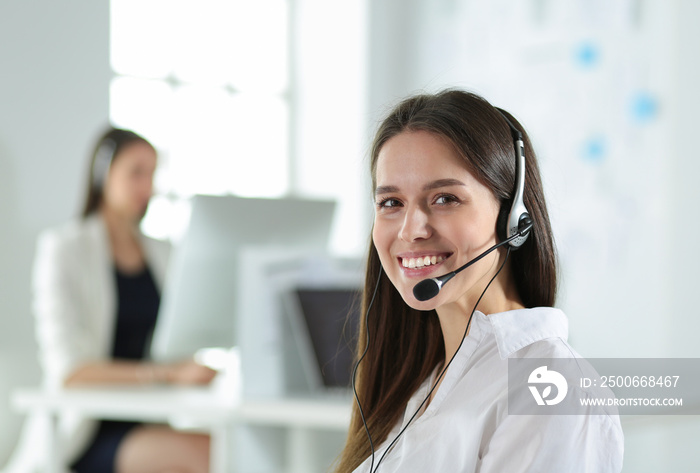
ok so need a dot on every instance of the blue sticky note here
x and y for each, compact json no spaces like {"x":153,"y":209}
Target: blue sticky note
{"x":644,"y":107}
{"x":595,"y":149}
{"x":587,"y":54}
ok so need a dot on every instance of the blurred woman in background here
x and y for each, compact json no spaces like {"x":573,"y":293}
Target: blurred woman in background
{"x":97,"y":283}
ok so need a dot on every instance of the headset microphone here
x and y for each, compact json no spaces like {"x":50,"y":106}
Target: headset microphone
{"x":429,"y":288}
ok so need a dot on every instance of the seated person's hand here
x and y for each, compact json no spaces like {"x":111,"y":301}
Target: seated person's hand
{"x":189,"y":373}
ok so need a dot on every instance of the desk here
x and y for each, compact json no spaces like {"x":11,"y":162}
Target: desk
{"x":200,"y":407}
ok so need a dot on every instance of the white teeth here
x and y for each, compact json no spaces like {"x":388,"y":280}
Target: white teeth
{"x":421,"y":262}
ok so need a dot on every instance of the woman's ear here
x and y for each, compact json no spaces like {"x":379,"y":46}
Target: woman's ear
{"x":502,"y":221}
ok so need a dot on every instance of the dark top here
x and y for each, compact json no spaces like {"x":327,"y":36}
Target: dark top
{"x":137,"y":310}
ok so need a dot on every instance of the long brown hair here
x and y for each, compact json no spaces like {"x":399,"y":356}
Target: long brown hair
{"x":106,"y":150}
{"x":406,"y":344}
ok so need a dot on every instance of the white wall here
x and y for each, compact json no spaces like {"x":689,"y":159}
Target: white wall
{"x":53,"y":98}
{"x":684,"y":154}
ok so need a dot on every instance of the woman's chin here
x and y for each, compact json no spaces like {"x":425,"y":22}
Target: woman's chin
{"x":414,"y":303}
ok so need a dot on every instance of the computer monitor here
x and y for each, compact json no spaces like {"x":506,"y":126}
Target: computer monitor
{"x":204,"y":278}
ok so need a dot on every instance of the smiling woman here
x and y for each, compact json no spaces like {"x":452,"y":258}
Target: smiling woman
{"x":432,"y":376}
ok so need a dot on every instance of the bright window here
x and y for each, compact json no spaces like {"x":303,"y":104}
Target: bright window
{"x":207,"y":83}
{"x":258,"y":98}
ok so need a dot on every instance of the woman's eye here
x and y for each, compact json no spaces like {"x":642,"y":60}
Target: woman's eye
{"x":388,"y":203}
{"x":446,"y":199}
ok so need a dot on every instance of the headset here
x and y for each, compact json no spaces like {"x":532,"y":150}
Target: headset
{"x":512,"y":228}
{"x":518,"y":217}
{"x":103,"y":160}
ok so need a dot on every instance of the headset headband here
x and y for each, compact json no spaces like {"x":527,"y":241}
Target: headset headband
{"x":518,"y":215}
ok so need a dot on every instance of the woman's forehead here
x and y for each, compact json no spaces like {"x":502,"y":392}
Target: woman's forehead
{"x":419,"y":154}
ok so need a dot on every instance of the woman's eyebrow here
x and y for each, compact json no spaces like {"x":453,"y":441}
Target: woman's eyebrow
{"x":443,"y":183}
{"x":429,"y":186}
{"x":385,"y":190}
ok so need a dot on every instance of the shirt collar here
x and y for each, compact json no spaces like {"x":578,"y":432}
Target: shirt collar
{"x":516,"y":329}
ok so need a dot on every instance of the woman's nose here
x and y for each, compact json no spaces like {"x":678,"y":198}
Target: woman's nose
{"x":416,"y":225}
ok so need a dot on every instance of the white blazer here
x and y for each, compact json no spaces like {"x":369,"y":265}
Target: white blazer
{"x":75,"y":306}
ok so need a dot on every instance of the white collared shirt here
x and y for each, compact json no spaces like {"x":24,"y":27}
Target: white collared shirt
{"x":466,"y":427}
